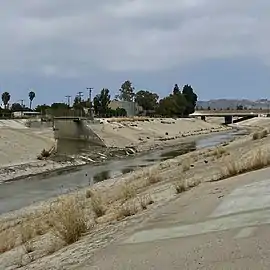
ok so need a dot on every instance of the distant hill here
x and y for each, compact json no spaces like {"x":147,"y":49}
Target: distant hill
{"x":233,"y":103}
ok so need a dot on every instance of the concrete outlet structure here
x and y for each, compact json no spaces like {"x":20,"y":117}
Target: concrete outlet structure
{"x":75,"y":131}
{"x":228,"y":119}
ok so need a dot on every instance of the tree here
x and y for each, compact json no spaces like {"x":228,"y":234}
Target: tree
{"x":176,"y":89}
{"x":59,"y":106}
{"x":173,"y":105}
{"x":42,"y":108}
{"x":165,"y":107}
{"x":120,"y":112}
{"x":191,"y":99}
{"x":5,"y":99}
{"x":16,"y":107}
{"x":126,"y":92}
{"x":31,"y":95}
{"x":180,"y":105}
{"x":117,"y":112}
{"x":101,"y":102}
{"x":77,"y":103}
{"x":146,"y":99}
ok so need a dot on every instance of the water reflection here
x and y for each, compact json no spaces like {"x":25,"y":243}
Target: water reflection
{"x":181,"y":150}
{"x":101,"y":176}
{"x":68,"y":147}
{"x":127,"y":170}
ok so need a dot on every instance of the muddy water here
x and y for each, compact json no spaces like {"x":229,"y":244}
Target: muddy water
{"x":15,"y":195}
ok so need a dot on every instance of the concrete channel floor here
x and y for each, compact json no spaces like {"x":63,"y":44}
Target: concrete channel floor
{"x":221,"y":225}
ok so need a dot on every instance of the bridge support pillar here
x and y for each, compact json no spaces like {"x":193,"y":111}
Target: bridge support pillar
{"x":228,"y":119}
{"x":203,"y":117}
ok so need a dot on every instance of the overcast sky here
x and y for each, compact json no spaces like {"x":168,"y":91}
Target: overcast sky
{"x":60,"y":47}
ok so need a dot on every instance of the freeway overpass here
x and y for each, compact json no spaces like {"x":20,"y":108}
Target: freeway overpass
{"x":229,"y":114}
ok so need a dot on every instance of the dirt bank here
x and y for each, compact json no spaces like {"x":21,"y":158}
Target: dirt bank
{"x":139,"y":193}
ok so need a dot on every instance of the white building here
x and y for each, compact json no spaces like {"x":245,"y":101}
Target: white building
{"x":27,"y":114}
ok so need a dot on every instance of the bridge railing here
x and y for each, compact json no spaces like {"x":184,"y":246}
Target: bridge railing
{"x":256,"y":111}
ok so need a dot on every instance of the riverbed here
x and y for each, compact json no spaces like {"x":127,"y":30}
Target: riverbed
{"x":18,"y":194}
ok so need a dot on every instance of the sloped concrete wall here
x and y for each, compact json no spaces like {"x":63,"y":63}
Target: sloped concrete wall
{"x":77,"y":130}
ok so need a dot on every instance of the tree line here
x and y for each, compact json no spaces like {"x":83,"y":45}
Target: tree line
{"x":17,"y":106}
{"x":179,"y":103}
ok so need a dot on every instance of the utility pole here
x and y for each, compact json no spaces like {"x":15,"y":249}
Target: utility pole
{"x":90,"y":92}
{"x":90,"y":100}
{"x":21,"y":100}
{"x":68,"y":100}
{"x":79,"y":95}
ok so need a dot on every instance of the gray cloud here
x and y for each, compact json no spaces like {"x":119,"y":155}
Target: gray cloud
{"x":67,"y":38}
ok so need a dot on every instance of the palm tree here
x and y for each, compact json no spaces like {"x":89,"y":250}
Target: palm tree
{"x":6,"y":98}
{"x":31,"y":95}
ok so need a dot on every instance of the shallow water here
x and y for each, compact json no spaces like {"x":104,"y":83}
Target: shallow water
{"x":18,"y":194}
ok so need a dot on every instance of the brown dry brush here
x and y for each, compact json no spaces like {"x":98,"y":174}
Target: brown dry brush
{"x":260,"y":135}
{"x":68,"y":220}
{"x":98,"y":205}
{"x":259,"y":160}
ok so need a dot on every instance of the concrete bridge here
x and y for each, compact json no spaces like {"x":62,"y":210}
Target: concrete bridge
{"x":229,"y":114}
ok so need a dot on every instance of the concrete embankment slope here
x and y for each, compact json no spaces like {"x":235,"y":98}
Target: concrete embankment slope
{"x":259,"y":122}
{"x":83,"y":135}
{"x":20,"y":144}
{"x":149,"y":132}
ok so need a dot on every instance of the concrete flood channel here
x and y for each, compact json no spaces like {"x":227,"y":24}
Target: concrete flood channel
{"x":18,"y":194}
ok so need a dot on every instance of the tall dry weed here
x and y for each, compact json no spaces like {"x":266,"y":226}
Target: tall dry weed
{"x":68,"y":220}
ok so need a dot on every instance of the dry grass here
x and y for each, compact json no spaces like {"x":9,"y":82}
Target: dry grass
{"x":260,"y":135}
{"x":7,"y":241}
{"x":256,"y":136}
{"x":180,"y":186}
{"x":128,"y":191}
{"x":98,"y":205}
{"x":258,"y":160}
{"x":27,"y":232}
{"x":144,"y":201}
{"x":44,"y":154}
{"x":153,"y":178}
{"x":186,"y":165}
{"x":231,"y":169}
{"x":88,"y":193}
{"x":195,"y":183}
{"x":219,"y":152}
{"x":68,"y":220}
{"x":20,"y":234}
{"x":127,"y":209}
